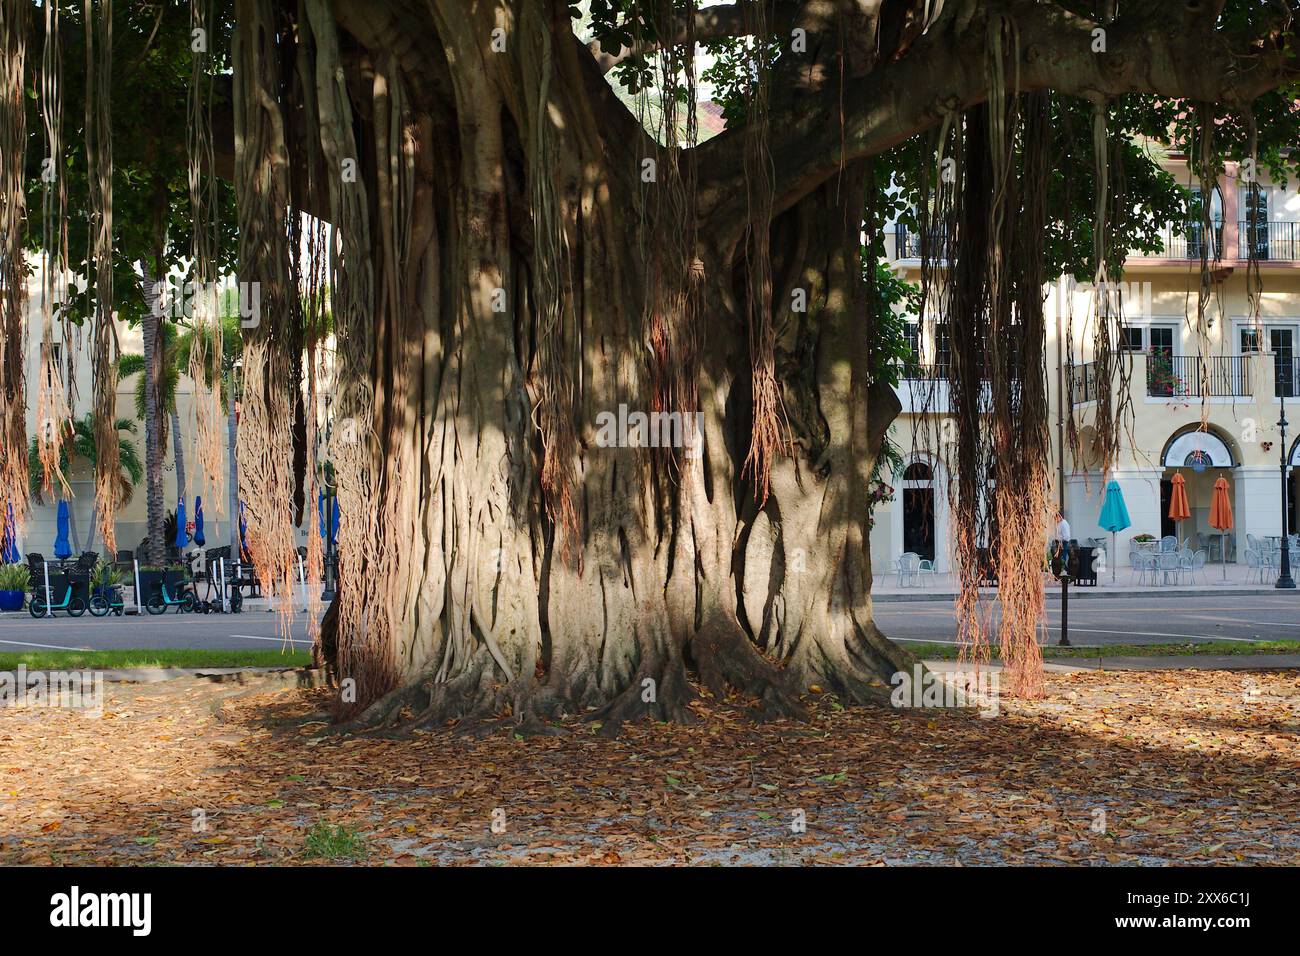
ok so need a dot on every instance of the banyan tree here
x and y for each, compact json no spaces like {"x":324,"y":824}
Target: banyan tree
{"x":607,"y":393}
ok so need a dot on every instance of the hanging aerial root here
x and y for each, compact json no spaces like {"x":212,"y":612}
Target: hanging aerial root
{"x":99,"y":154}
{"x":13,"y":284}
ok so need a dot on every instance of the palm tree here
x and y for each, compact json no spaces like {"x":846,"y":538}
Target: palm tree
{"x":82,"y":446}
{"x":174,"y":362}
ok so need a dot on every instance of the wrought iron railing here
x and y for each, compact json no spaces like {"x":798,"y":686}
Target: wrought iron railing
{"x":1270,"y":241}
{"x":1194,"y":376}
{"x":1082,"y":383}
{"x":1187,"y":240}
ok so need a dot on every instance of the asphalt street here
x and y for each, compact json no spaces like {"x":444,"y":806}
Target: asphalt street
{"x":1137,"y":620}
{"x":252,"y":630}
{"x":1144,"y":620}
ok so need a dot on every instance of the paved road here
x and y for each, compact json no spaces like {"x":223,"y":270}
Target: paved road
{"x":1146,"y":620}
{"x":252,"y":630}
{"x":1139,"y":620}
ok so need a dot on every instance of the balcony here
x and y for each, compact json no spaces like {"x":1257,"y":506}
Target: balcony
{"x":1192,"y":376}
{"x":907,"y":244}
{"x":1271,"y":241}
{"x":1081,"y":380}
{"x":1188,"y":241}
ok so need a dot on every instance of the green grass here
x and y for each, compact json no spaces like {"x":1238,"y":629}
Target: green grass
{"x":948,"y":652}
{"x":333,"y":843}
{"x":167,"y":657}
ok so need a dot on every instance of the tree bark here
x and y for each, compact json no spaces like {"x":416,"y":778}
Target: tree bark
{"x":156,"y":546}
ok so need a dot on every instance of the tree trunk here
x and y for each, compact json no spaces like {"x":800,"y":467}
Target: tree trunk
{"x":178,"y":453}
{"x":156,"y":547}
{"x":501,"y":565}
{"x":232,"y":487}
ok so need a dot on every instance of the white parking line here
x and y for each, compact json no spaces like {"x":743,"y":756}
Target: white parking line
{"x":1183,"y":637}
{"x":52,"y":647}
{"x":278,"y":640}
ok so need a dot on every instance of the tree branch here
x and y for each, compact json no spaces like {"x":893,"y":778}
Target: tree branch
{"x":710,"y":24}
{"x":943,"y":72}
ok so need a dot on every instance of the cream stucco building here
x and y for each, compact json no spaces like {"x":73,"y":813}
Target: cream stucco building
{"x":1236,"y":382}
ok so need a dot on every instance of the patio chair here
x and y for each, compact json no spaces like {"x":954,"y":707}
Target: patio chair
{"x":1256,"y":566}
{"x":927,"y":567}
{"x":1167,"y":563}
{"x":1198,"y":565}
{"x":1169,"y":543}
{"x":909,"y":567}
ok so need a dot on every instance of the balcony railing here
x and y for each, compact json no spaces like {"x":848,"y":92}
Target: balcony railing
{"x":1191,"y":376}
{"x":907,"y":244}
{"x":1082,"y":383}
{"x":1186,"y":241}
{"x":1286,"y":376}
{"x":1271,"y":241}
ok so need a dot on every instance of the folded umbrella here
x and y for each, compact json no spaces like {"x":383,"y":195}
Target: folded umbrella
{"x":1114,"y":518}
{"x":62,"y":548}
{"x":1221,"y":519}
{"x":199,"y":538}
{"x":182,"y":536}
{"x":10,"y":551}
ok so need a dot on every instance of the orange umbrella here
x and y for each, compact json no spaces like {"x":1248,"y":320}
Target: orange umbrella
{"x":1221,"y":518}
{"x":1178,"y":508}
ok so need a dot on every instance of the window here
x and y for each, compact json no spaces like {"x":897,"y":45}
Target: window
{"x":1250,"y":341}
{"x":918,"y":471}
{"x":942,"y":347}
{"x":1254,"y":223}
{"x":912,"y":332}
{"x":1131,"y":338}
{"x":56,"y":359}
{"x":1162,"y":340}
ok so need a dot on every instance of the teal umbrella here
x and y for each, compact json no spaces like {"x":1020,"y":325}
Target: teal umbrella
{"x":1114,"y":518}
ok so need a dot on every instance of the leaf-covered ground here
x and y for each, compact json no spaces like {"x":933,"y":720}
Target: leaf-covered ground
{"x":1155,"y":767}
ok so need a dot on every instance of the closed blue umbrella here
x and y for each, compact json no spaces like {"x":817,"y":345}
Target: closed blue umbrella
{"x":199,"y":537}
{"x":182,"y":538}
{"x":243,"y":533}
{"x":62,"y":548}
{"x":1114,"y":517}
{"x":333,"y":528}
{"x":11,"y":555}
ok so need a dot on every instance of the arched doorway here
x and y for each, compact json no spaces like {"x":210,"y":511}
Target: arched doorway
{"x":1201,"y":457}
{"x":919,"y":510}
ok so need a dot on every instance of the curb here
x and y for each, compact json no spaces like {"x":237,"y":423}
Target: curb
{"x":300,"y":676}
{"x":1077,"y":594}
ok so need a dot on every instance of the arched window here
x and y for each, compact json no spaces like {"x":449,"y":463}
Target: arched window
{"x":918,"y":471}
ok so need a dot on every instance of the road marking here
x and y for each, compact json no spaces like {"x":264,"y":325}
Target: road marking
{"x":1185,"y":637}
{"x":52,"y":647}
{"x":278,"y":640}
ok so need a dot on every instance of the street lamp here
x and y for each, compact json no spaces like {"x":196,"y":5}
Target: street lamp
{"x":1284,"y":579}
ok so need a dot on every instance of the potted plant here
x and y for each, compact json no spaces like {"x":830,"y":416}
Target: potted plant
{"x":151,"y":580}
{"x":106,"y":582}
{"x":13,"y":586}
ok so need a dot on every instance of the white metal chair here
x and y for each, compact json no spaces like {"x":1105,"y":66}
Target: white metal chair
{"x":1168,"y":543}
{"x":909,"y":568}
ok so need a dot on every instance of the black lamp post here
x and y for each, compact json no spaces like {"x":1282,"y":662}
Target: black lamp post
{"x":1284,"y":579}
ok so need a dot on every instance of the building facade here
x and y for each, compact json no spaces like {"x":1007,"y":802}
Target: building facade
{"x":1200,"y":408}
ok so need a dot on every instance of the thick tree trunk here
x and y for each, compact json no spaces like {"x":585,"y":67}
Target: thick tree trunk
{"x":499,"y":563}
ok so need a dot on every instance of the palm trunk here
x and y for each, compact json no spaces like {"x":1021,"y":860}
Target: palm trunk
{"x":232,"y":485}
{"x":156,"y":546}
{"x":178,"y":453}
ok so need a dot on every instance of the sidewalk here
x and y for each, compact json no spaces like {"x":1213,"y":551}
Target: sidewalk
{"x":1236,"y":579}
{"x":1198,"y":662}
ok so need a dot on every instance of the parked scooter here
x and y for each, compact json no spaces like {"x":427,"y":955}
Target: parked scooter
{"x":75,"y":606}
